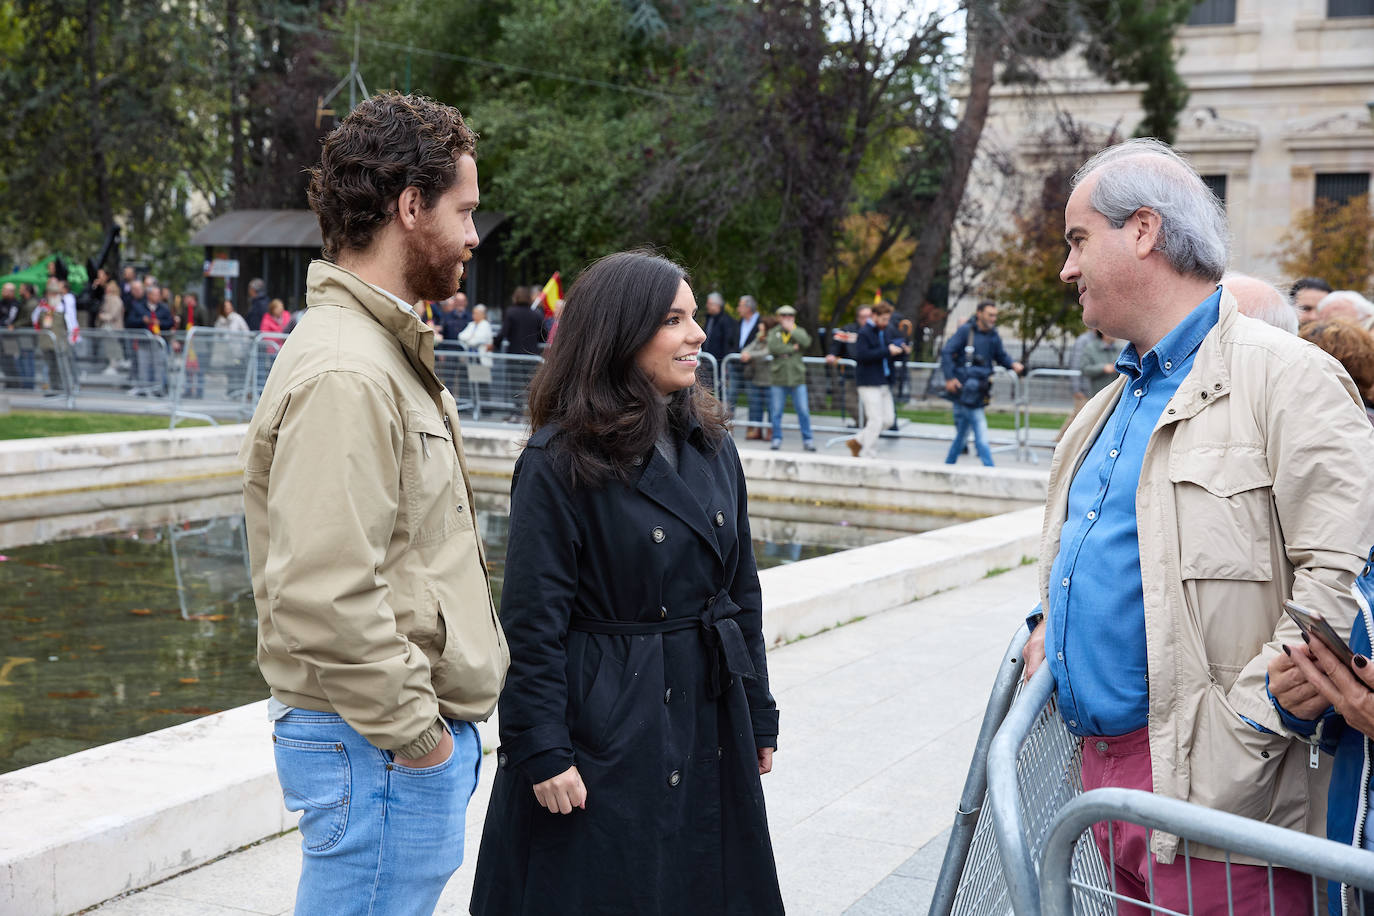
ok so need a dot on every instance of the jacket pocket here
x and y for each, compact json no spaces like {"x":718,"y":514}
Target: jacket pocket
{"x":589,"y":719}
{"x":316,"y":781}
{"x":428,"y":471}
{"x":1235,"y":767}
{"x":1223,"y":497}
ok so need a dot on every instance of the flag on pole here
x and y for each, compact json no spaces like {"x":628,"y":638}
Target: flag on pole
{"x":551,"y":296}
{"x":878,"y":296}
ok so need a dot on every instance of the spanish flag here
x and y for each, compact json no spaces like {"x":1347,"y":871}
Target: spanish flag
{"x":551,"y":297}
{"x":878,"y":296}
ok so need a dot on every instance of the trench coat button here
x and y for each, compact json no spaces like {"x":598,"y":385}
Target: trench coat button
{"x":668,"y":695}
{"x":720,"y":519}
{"x":674,"y":778}
{"x":502,"y":760}
{"x":662,"y":613}
{"x":658,"y":535}
{"x":636,"y":460}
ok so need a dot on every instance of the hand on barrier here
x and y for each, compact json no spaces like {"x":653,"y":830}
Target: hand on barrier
{"x":1291,"y":687}
{"x":1350,"y":690}
{"x":562,"y":793}
{"x":1034,"y":652}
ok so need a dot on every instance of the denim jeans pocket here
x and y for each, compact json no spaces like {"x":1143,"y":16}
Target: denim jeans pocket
{"x":436,"y":770}
{"x":316,"y":781}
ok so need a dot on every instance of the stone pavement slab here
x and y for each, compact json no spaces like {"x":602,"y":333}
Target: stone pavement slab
{"x":879,"y":718}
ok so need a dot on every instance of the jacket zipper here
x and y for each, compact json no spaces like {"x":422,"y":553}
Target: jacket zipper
{"x":1362,"y":808}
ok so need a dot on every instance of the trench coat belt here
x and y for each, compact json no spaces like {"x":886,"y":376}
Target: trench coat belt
{"x":719,"y":632}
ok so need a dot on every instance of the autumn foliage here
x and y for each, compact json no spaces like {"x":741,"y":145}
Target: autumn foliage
{"x":1334,"y":242}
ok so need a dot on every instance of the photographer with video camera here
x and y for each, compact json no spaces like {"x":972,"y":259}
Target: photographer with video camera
{"x":968,"y":359}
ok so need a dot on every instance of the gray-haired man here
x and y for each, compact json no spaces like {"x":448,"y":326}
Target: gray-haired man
{"x":1207,"y":484}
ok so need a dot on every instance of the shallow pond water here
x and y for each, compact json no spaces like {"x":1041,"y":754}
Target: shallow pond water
{"x":111,"y":635}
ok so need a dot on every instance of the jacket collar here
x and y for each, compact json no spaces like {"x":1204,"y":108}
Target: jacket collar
{"x":1210,"y":380}
{"x":329,"y":284}
{"x":674,"y":489}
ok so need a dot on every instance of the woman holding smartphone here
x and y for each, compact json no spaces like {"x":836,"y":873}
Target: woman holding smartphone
{"x":1312,"y":676}
{"x":636,"y":720}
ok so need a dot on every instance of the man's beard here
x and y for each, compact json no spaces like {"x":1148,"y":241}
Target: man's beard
{"x":430,"y":271}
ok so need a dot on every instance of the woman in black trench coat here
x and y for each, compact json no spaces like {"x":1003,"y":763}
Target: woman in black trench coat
{"x":636,"y":720}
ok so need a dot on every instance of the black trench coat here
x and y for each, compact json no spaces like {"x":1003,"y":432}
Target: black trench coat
{"x":663,"y":726}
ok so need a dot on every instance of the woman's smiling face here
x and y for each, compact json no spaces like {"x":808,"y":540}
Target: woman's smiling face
{"x":670,"y":357}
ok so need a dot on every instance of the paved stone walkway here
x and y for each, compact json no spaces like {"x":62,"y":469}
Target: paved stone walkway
{"x":879,"y":718}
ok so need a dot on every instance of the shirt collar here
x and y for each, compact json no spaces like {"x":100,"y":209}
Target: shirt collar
{"x":400,"y":303}
{"x":1172,"y":352}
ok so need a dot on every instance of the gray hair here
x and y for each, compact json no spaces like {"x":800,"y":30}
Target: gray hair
{"x":1148,"y":173}
{"x":715,"y":295}
{"x":749,"y":302}
{"x":1262,"y":301}
{"x":1363,"y":307}
{"x":256,"y":287}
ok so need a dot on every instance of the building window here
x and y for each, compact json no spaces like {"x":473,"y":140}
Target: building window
{"x":1338,"y":8}
{"x":1217,"y":185}
{"x":1339,"y":187}
{"x":1218,"y":12}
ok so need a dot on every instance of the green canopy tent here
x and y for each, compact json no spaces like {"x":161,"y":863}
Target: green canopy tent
{"x":38,"y":275}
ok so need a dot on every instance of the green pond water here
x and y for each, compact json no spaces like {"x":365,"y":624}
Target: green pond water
{"x":116,"y":635}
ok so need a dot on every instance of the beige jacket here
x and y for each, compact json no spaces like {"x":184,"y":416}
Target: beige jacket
{"x":1255,"y":487}
{"x":370,"y":581}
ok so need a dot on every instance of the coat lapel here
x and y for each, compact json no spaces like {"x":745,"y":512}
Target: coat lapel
{"x":672,"y":490}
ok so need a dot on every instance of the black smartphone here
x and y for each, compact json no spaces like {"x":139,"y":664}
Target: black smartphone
{"x":1316,"y":627}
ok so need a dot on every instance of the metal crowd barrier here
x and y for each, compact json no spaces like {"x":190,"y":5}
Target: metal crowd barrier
{"x":215,"y":375}
{"x":1026,"y":847}
{"x":36,"y":360}
{"x":492,"y":386}
{"x":1044,"y":384}
{"x":971,"y":876}
{"x":831,"y":396}
{"x":120,"y":363}
{"x":1063,"y":894}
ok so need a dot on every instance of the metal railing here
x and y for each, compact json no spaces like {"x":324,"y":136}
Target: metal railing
{"x":214,"y":374}
{"x":971,"y":877}
{"x":1026,"y":847}
{"x":1059,"y":382}
{"x":1063,"y":894}
{"x":36,"y":360}
{"x":120,"y":363}
{"x":831,"y":396}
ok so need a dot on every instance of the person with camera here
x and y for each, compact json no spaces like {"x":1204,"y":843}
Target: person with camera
{"x":967,"y":360}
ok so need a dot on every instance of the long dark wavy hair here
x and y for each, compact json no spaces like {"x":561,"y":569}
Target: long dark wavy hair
{"x":607,"y":410}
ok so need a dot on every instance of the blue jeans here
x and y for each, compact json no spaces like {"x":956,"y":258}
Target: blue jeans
{"x":758,"y":402}
{"x":966,"y":420}
{"x":377,"y":838}
{"x":778,"y":398}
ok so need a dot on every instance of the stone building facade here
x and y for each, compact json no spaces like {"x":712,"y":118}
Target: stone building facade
{"x":1282,"y":95}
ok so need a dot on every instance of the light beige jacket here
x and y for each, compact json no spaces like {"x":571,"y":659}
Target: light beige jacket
{"x":1255,"y":488}
{"x":370,"y":581}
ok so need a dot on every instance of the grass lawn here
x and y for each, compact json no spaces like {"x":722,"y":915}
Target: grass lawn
{"x":32,"y":424}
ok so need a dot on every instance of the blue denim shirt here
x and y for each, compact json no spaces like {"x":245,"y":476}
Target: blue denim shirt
{"x":1095,"y":628}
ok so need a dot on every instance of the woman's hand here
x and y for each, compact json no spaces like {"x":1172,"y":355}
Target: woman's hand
{"x":1291,"y":687}
{"x":765,"y":760}
{"x":562,"y":793}
{"x":1350,"y":692}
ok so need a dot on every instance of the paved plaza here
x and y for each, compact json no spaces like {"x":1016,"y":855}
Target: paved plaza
{"x":879,"y":719}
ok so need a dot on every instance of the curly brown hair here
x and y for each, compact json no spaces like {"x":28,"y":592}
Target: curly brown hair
{"x":1351,"y":345}
{"x":387,"y":144}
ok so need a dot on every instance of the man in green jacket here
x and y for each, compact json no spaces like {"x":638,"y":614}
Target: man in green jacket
{"x":786,"y":343}
{"x":376,"y":629}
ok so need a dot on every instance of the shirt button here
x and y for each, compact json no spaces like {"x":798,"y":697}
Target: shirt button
{"x":1139,"y":392}
{"x":658,"y":535}
{"x":1102,"y":747}
{"x":1091,"y":515}
{"x":1168,"y":364}
{"x":720,"y":519}
{"x":674,"y":778}
{"x":1072,"y":724}
{"x":1061,"y":656}
{"x":1113,"y":453}
{"x":1064,"y":582}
